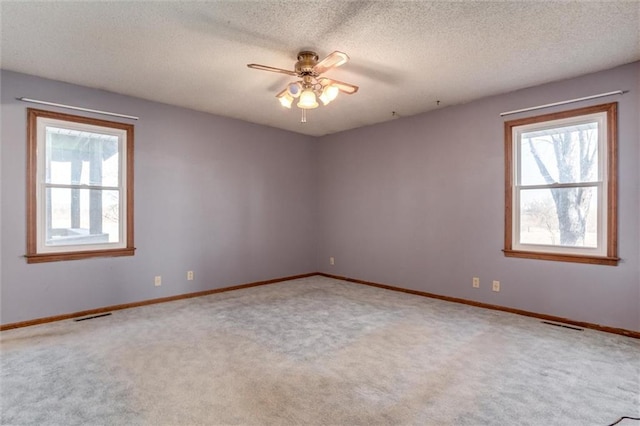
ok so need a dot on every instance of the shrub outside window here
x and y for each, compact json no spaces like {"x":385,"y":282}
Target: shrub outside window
{"x":80,"y":187}
{"x":561,"y":186}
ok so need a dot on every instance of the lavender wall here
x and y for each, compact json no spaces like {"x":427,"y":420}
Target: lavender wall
{"x":418,"y":203}
{"x":232,"y":201}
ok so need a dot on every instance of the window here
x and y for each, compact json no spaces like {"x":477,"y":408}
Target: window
{"x":79,"y":187}
{"x":561,"y":186}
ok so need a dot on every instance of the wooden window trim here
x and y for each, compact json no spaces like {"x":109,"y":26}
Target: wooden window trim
{"x":32,"y":254}
{"x":611,"y":258}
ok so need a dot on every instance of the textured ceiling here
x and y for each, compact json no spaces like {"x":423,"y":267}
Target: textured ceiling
{"x":405,"y":56}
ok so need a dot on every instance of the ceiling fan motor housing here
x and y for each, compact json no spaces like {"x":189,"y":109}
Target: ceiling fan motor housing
{"x":306,"y":61}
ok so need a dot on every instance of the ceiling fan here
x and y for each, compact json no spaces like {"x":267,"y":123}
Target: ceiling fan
{"x":311,"y":85}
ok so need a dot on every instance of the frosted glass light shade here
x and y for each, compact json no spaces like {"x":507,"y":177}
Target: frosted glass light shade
{"x":294,"y":89}
{"x":285,"y":100}
{"x":307,"y":100}
{"x":328,"y":94}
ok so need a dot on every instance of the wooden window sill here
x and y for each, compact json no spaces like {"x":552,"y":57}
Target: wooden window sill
{"x":594,"y":260}
{"x":55,"y":257}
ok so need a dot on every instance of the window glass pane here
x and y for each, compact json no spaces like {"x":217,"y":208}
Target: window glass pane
{"x":81,"y":216}
{"x":559,"y":155}
{"x":559,"y":216}
{"x":81,"y":158}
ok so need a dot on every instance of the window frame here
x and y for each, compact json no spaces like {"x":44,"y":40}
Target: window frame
{"x":607,"y":206}
{"x":35,"y":183}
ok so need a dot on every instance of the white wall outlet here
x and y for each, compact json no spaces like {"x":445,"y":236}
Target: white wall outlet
{"x":158,"y":281}
{"x":476,"y":282}
{"x":190,"y":275}
{"x":332,"y":261}
{"x":496,"y":286}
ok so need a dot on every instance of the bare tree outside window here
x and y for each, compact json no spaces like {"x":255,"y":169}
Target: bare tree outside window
{"x":543,"y":215}
{"x":560,"y":186}
{"x":574,"y":159}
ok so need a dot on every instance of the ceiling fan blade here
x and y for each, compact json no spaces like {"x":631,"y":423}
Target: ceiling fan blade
{"x":272,"y":69}
{"x":334,"y":59}
{"x":346,"y":88}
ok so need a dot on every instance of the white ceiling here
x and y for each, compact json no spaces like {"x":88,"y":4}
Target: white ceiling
{"x":405,"y":55}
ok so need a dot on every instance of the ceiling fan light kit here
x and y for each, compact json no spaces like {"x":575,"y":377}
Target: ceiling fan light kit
{"x":311,"y":87}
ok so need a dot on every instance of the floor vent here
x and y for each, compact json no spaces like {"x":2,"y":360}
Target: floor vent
{"x":562,"y":325}
{"x":92,"y":317}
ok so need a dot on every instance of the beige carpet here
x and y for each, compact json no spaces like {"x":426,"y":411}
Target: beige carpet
{"x":316,"y":351}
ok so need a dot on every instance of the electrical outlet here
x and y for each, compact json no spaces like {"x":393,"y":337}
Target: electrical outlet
{"x":496,"y":286}
{"x":158,"y":281}
{"x":476,"y":282}
{"x":332,"y":261}
{"x":190,"y":275}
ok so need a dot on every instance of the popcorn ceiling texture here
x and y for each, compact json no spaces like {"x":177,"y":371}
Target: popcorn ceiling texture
{"x":405,"y":56}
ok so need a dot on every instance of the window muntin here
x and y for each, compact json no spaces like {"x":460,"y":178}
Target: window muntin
{"x":80,"y":201}
{"x":560,"y":186}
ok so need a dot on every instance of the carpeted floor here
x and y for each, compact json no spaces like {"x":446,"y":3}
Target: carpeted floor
{"x":316,"y":351}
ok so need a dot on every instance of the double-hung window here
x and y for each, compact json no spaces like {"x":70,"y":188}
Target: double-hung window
{"x":560,"y":186}
{"x":80,"y":187}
